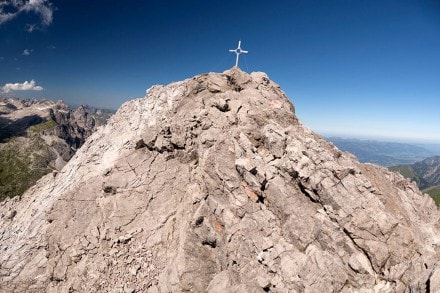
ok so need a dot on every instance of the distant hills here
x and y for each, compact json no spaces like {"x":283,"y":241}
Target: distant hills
{"x":425,"y":173}
{"x":383,"y":153}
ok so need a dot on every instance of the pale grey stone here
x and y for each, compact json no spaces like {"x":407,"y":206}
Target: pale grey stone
{"x":212,"y":184}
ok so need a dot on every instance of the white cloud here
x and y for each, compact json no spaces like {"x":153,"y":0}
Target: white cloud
{"x":30,"y":27}
{"x":27,"y":52}
{"x":25,"y":86}
{"x":42,"y":7}
{"x":9,"y":9}
{"x":4,"y":17}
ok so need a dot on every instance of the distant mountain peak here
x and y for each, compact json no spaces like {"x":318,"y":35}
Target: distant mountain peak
{"x":435,"y":160}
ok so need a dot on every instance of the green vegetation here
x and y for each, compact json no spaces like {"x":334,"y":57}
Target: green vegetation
{"x":434,"y":192}
{"x":38,"y":128}
{"x":406,"y":170}
{"x":22,"y":163}
{"x":436,"y":199}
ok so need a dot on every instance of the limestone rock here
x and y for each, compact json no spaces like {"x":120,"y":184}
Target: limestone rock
{"x":213,"y":185}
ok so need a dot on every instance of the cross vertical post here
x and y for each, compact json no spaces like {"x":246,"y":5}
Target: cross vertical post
{"x":238,"y":51}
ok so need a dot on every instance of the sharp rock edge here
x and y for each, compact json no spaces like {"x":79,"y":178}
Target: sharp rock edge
{"x":212,"y":185}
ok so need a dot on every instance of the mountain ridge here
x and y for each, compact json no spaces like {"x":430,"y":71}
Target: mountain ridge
{"x":211,"y":184}
{"x":38,"y":137}
{"x":425,"y":173}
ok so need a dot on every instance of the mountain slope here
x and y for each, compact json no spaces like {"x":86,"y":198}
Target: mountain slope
{"x":212,"y":185}
{"x":429,"y":171}
{"x":38,"y":137}
{"x":426,"y":173}
{"x":434,"y":191}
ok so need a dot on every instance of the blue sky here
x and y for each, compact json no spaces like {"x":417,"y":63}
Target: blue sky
{"x":352,"y":68}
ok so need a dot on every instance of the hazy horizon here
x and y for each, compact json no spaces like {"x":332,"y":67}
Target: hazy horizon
{"x":327,"y":134}
{"x":390,"y":139}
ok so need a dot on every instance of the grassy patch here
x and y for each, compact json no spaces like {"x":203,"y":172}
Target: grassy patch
{"x":436,"y":199}
{"x":434,"y":192}
{"x":38,"y":128}
{"x":21,"y":165}
{"x":406,"y":170}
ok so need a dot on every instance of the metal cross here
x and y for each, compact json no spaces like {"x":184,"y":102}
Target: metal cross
{"x":238,"y":51}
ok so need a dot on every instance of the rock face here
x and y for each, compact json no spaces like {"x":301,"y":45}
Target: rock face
{"x":38,"y":136}
{"x":72,"y":125}
{"x":213,"y":185}
{"x":75,"y":126}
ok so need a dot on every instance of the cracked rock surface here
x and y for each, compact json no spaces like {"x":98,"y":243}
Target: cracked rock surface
{"x":213,"y":185}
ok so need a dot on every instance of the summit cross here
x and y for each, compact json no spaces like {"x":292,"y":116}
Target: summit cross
{"x":238,"y":51}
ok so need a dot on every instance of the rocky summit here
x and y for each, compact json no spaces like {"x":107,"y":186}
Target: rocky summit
{"x":213,"y":185}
